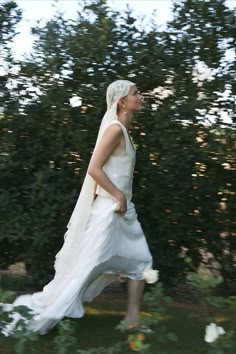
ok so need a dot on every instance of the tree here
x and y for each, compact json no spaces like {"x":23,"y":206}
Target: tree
{"x":50,"y":141}
{"x":190,"y":154}
{"x":10,"y":16}
{"x":181,"y":156}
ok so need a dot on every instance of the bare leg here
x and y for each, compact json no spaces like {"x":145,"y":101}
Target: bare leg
{"x":135,"y":292}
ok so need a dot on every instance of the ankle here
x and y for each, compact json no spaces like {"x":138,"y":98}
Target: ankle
{"x":131,"y":319}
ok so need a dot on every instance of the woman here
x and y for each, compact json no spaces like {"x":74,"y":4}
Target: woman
{"x":104,"y":238}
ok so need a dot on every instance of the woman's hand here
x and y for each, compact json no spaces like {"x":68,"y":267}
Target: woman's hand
{"x":121,"y":207}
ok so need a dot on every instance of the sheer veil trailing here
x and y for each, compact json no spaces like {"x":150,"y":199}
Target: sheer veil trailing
{"x":69,"y":253}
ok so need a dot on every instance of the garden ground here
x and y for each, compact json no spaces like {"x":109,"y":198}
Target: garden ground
{"x":97,"y":327}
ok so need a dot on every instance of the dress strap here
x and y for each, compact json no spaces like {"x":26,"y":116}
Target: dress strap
{"x":126,"y":135}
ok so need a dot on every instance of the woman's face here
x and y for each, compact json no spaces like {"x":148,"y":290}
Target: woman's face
{"x":133,"y":101}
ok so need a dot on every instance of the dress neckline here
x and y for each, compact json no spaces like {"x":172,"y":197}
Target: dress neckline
{"x":131,"y":143}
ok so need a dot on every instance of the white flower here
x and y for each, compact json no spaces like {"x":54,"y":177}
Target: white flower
{"x":75,"y":101}
{"x":2,"y":71}
{"x":213,"y":332}
{"x":151,"y":275}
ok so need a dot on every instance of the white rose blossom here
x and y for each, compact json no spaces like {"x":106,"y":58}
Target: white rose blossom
{"x":213,"y":332}
{"x":151,"y":275}
{"x":75,"y":101}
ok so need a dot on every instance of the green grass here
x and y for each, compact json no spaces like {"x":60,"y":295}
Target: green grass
{"x":97,"y":328}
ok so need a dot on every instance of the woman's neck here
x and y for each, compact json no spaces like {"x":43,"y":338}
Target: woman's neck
{"x":125,"y":119}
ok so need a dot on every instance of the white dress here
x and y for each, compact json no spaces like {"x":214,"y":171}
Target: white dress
{"x":112,"y":245}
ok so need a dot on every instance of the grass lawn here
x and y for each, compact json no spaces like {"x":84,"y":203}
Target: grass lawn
{"x":97,"y":328}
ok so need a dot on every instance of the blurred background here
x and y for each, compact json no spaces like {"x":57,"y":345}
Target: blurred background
{"x":56,"y":61}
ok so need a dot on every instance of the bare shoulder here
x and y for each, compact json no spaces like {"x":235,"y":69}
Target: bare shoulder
{"x":114,"y":130}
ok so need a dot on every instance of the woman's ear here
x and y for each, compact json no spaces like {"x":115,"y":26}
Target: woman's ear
{"x":121,"y":104}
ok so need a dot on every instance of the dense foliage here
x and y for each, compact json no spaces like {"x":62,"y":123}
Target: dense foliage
{"x":185,"y":149}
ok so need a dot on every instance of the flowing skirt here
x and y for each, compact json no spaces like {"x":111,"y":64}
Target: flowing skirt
{"x":113,"y":245}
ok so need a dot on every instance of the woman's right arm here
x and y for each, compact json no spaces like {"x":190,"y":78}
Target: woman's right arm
{"x":109,"y":142}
